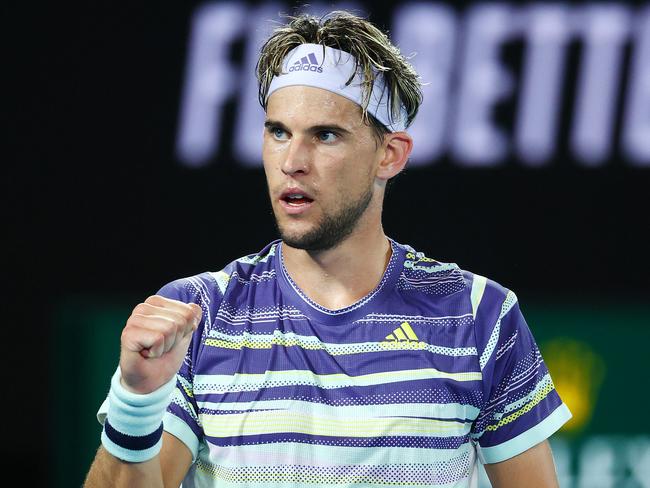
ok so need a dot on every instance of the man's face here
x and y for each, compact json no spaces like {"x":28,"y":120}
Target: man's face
{"x":320,"y":161}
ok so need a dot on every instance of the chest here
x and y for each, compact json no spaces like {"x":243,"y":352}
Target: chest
{"x":378,"y":368}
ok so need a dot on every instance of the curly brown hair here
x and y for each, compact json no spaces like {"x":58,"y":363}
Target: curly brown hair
{"x":372,"y":49}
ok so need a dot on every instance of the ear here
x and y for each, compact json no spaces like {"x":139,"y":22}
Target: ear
{"x":397,"y":148}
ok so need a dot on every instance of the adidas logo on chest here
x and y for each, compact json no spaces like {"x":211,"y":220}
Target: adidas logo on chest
{"x":403,"y":333}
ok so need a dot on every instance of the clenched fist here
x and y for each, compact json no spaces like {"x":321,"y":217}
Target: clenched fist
{"x":155,"y":341}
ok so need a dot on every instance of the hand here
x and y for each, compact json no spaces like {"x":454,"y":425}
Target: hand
{"x":155,"y":341}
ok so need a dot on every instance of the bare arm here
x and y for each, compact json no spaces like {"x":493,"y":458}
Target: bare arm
{"x":153,"y":345}
{"x":165,"y":470}
{"x":533,"y":468}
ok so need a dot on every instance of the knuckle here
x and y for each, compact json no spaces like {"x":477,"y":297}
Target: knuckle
{"x":188,"y":314}
{"x":170,"y":327}
{"x":173,"y":329}
{"x":157,"y":339}
{"x":154,"y":299}
{"x":140,"y":308}
{"x":127,"y":334}
{"x":132,"y":321}
{"x":197,"y":309}
{"x":182,"y":321}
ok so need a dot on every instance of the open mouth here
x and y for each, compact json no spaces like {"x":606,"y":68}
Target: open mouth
{"x":296,"y":199}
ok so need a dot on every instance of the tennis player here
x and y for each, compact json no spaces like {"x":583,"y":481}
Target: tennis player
{"x":335,"y":356}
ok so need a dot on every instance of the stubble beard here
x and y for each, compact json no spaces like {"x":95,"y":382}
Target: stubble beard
{"x":332,"y":229}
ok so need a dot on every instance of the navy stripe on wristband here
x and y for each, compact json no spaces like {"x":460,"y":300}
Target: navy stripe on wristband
{"x":133,"y":443}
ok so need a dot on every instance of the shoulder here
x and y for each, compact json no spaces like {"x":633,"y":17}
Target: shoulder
{"x":486,"y":299}
{"x":440,"y":277}
{"x":208,"y":285}
{"x":499,"y":324}
{"x":428,"y":275}
{"x":189,"y":288}
{"x":487,"y":296}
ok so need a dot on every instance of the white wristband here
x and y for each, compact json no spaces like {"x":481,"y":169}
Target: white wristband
{"x":133,"y":426}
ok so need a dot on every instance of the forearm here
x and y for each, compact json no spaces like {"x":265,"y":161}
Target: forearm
{"x":111,"y":472}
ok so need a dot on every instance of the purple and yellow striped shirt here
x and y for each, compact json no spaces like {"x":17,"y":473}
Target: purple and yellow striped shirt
{"x":407,"y":387}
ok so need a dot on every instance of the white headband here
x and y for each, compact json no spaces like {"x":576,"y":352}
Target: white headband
{"x":304,"y":65}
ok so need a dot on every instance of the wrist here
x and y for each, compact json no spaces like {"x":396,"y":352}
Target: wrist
{"x":133,"y":426}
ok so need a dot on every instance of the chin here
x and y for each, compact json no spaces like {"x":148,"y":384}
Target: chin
{"x":295,"y":238}
{"x":325,"y":231}
{"x":316,"y":239}
{"x":306,"y":244}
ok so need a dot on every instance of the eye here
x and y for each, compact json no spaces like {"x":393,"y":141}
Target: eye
{"x":327,"y":136}
{"x":277,"y":133}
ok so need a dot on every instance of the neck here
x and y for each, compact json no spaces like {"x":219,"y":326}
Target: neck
{"x":338,"y":277}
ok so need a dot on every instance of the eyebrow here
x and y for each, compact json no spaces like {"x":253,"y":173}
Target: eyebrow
{"x":313,"y":129}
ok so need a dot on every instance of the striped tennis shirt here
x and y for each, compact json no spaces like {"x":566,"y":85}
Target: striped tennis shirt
{"x":409,"y":386}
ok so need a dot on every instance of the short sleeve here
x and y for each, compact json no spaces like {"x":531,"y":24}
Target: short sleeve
{"x":521,"y":407}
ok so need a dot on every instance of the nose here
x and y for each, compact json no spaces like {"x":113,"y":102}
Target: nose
{"x":298,"y":157}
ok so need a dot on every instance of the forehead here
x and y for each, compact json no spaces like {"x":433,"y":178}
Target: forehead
{"x":312,"y":106}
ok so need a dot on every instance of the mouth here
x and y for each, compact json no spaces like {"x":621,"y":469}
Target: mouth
{"x":295,"y":201}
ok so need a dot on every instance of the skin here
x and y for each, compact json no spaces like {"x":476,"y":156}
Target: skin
{"x":316,"y":141}
{"x":533,"y":468}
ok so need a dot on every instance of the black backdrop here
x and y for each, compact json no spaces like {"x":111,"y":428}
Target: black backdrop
{"x":97,"y":203}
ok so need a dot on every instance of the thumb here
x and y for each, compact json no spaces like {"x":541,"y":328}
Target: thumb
{"x":198,"y":314}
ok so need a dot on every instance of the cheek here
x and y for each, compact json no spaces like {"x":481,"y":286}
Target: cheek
{"x":350,"y":183}
{"x":271,"y":168}
{"x":360,"y":167}
{"x":272,"y":155}
{"x":276,"y":148}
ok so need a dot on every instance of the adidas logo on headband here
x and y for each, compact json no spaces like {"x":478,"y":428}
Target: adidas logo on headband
{"x":340,"y":75}
{"x":307,"y":63}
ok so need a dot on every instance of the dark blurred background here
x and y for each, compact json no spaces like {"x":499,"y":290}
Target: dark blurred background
{"x":133,"y":132}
